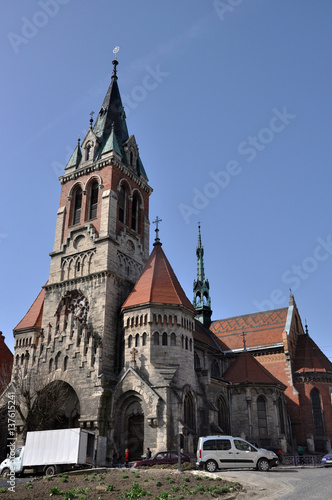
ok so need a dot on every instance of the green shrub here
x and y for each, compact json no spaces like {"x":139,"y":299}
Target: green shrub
{"x":3,"y":490}
{"x":110,"y":487}
{"x":164,"y":495}
{"x":55,"y":491}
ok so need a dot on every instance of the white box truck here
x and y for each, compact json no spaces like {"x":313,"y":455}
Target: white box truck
{"x":51,"y":452}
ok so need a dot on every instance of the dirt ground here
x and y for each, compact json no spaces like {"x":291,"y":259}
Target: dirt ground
{"x":155,"y":483}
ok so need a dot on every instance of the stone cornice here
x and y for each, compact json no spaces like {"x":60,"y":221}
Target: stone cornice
{"x":88,"y":169}
{"x":82,"y":279}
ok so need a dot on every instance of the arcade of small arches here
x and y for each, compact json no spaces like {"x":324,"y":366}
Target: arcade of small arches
{"x":77,"y":265}
{"x":159,"y":319}
{"x":164,"y":339}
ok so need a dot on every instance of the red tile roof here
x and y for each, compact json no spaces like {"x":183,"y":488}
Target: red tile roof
{"x":261,"y":329}
{"x":158,"y":283}
{"x":33,"y":317}
{"x":246,"y":369}
{"x":309,"y":358}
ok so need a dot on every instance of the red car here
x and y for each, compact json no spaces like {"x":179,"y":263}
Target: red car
{"x":163,"y":457}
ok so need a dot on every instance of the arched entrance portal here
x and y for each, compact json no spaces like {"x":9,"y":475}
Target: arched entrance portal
{"x":136,"y":436}
{"x":130,"y":426}
{"x":55,"y":407}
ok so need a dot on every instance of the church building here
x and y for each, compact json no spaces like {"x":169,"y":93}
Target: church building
{"x":112,"y":343}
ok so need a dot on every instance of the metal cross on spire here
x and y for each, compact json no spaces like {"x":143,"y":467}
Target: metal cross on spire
{"x":244,"y":341}
{"x":156,"y":222}
{"x":115,"y":61}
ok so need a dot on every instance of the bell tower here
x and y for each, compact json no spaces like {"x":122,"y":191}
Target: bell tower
{"x":101,"y":245}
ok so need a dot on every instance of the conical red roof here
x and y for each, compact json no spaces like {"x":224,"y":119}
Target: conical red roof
{"x":33,"y":317}
{"x":158,"y":284}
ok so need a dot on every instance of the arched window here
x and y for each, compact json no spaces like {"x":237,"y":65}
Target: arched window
{"x":134,"y":213}
{"x":223,"y":420}
{"x":93,"y":200}
{"x":197,"y":363}
{"x":56,"y":361}
{"x":173,"y":339}
{"x":137,"y":340}
{"x":164,"y":339}
{"x":156,"y":338}
{"x":77,"y":206}
{"x":215,"y":372}
{"x":130,"y":339}
{"x":65,"y":363}
{"x":50,"y":366}
{"x":17,"y":359}
{"x":144,"y":338}
{"x":189,"y":412}
{"x":187,"y":343}
{"x":281,"y":416}
{"x":190,"y":345}
{"x":22,"y":359}
{"x":261,"y":415}
{"x":122,"y":205}
{"x":317,"y":412}
{"x":182,"y":341}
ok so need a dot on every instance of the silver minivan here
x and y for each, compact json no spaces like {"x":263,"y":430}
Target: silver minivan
{"x":217,"y":452}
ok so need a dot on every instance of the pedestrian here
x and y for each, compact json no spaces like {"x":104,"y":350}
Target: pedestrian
{"x":148,"y":453}
{"x":127,"y":458}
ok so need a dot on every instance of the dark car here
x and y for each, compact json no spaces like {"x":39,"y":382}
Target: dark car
{"x":327,"y":459}
{"x":163,"y":457}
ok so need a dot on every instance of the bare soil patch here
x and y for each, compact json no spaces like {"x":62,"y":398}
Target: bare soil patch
{"x":154,"y":483}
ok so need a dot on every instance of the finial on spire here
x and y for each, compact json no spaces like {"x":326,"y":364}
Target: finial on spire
{"x":91,"y":119}
{"x":156,"y":222}
{"x":306,"y":328}
{"x":115,"y":61}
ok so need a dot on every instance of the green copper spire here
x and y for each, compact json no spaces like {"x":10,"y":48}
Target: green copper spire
{"x":202,"y":300}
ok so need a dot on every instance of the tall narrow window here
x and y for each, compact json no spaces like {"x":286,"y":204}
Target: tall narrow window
{"x":164,"y":339}
{"x":122,"y":205}
{"x":281,"y":416}
{"x":134,"y":213}
{"x":261,"y":414}
{"x":223,"y":415}
{"x":189,"y":412}
{"x":77,"y":206}
{"x":93,"y":200}
{"x":317,"y":412}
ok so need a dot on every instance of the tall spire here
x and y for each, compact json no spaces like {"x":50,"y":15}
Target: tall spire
{"x":201,"y":288}
{"x":112,"y":112}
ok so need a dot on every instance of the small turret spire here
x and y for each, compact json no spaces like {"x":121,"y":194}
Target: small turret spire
{"x":201,"y":288}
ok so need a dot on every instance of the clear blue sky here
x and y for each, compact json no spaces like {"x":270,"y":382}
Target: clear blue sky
{"x":230,"y":103}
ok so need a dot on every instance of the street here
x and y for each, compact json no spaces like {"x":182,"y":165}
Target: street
{"x":286,"y":482}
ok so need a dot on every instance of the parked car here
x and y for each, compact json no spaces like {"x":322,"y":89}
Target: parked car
{"x":163,"y":457}
{"x":327,"y":459}
{"x":217,"y":452}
